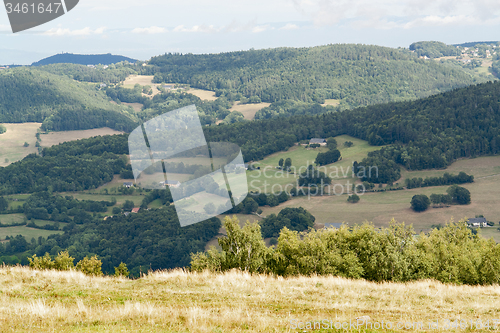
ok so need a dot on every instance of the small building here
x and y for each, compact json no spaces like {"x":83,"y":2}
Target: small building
{"x":128,"y":184}
{"x":168,"y":86}
{"x":321,"y":142}
{"x":103,"y":85}
{"x":245,"y":166}
{"x":171,"y":183}
{"x":333,"y":225}
{"x":477,"y":222}
{"x":135,"y":210}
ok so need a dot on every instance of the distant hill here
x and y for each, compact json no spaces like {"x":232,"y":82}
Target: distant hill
{"x":83,"y":59}
{"x":32,"y":95}
{"x":471,"y":44}
{"x":356,"y":75}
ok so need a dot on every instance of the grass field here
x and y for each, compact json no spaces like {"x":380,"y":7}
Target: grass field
{"x":333,"y":102}
{"x":28,"y":233}
{"x":8,"y":219}
{"x":203,"y":94}
{"x":55,"y":138}
{"x":178,"y":301}
{"x":340,"y":172}
{"x":249,"y":110}
{"x":12,"y":141}
{"x":381,"y":207}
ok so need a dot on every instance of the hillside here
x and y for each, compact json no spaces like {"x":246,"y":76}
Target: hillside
{"x":33,"y":95}
{"x":354,"y":74}
{"x":179,"y":301}
{"x":83,"y":59}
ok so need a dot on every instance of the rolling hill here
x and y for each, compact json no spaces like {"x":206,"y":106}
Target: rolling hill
{"x":356,"y":75}
{"x":33,"y":95}
{"x":83,"y":59}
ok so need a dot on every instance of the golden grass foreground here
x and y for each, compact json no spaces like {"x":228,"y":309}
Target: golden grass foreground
{"x":180,"y":301}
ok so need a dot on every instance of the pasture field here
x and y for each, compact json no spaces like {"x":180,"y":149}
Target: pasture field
{"x":249,"y":110}
{"x":203,"y":94}
{"x":268,"y":176}
{"x":235,"y":301}
{"x":136,"y":106}
{"x":381,"y":207}
{"x":55,"y":138}
{"x":8,"y":219}
{"x":28,"y":233}
{"x":333,"y":102}
{"x":12,"y":142}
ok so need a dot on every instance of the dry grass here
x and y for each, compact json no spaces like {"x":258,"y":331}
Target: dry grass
{"x":12,"y":141}
{"x":55,"y":138}
{"x":249,"y":110}
{"x":178,"y":301}
{"x":203,"y":94}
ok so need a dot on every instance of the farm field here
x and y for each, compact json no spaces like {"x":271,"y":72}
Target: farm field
{"x":249,"y":110}
{"x":12,"y":141}
{"x":235,"y":301}
{"x":55,"y":138}
{"x":340,"y":171}
{"x":381,"y":207}
{"x":333,"y":102}
{"x":28,"y":233}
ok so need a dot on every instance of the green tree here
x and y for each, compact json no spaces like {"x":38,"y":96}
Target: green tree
{"x":209,"y":208}
{"x":280,"y":163}
{"x":90,"y":266}
{"x":243,"y":248}
{"x":26,"y":144}
{"x":122,"y":270}
{"x":116,"y":210}
{"x":64,"y":262}
{"x":4,"y":204}
{"x":331,"y":143}
{"x":288,"y":163}
{"x":459,"y":195}
{"x":420,"y":202}
{"x":128,"y":205}
{"x":353,"y":198}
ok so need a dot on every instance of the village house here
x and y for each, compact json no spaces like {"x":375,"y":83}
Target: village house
{"x":477,"y":222}
{"x":321,"y":142}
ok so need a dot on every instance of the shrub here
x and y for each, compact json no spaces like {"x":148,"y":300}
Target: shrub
{"x":44,"y":262}
{"x":64,"y":262}
{"x":122,"y":270}
{"x":90,"y":266}
{"x":420,"y":202}
{"x":353,"y":198}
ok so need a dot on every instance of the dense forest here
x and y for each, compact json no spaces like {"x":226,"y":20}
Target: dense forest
{"x":427,"y":133}
{"x":355,"y":74}
{"x":432,"y":49}
{"x":112,"y":74}
{"x":71,"y":166}
{"x":147,"y":240}
{"x":32,"y":95}
{"x":83,"y":59}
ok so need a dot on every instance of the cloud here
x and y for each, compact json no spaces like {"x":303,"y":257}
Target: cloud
{"x":386,"y":14}
{"x":150,"y":30}
{"x":197,"y":28}
{"x":79,"y":32}
{"x":262,"y":28}
{"x":289,"y":26}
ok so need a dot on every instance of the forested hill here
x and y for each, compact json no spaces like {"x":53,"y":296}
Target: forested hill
{"x":83,"y":59}
{"x":426,"y":133}
{"x":356,"y":75}
{"x":32,"y":95}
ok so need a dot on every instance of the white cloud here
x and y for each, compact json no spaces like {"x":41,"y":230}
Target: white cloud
{"x":197,"y":28}
{"x":150,"y":30}
{"x":262,"y":28}
{"x":386,"y":14}
{"x":79,"y":32}
{"x":289,"y":26}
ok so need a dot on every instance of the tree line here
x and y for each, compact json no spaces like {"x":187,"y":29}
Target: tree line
{"x":452,"y":254}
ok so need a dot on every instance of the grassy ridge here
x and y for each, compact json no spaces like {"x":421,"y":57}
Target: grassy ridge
{"x":178,"y":301}
{"x":33,"y":95}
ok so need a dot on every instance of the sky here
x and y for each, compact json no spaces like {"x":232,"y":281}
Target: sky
{"x":146,"y":28}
